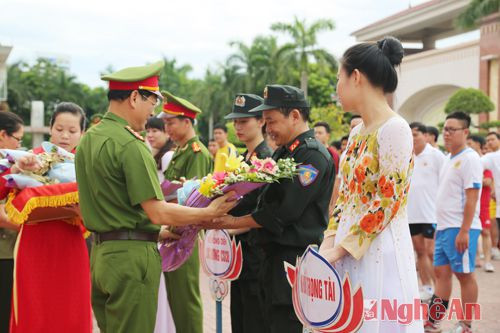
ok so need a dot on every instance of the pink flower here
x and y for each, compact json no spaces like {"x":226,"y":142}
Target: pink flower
{"x":258,"y":164}
{"x":270,"y":166}
{"x":219,"y":177}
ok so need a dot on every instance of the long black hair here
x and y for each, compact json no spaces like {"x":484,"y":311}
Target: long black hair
{"x":10,"y":122}
{"x":377,"y":61}
{"x":160,"y":125}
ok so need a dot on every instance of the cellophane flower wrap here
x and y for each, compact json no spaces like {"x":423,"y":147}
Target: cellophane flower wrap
{"x":238,"y":176}
{"x":49,"y":193}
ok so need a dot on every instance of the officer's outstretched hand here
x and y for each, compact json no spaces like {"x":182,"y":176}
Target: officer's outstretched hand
{"x":223,"y":222}
{"x":224,"y":204}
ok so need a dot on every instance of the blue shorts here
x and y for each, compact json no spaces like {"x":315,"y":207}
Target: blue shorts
{"x":445,"y":252}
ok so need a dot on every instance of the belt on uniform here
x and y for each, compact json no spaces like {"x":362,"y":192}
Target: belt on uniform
{"x":125,"y":235}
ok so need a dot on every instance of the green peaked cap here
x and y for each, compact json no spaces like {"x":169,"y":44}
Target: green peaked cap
{"x":177,"y":106}
{"x":132,"y":74}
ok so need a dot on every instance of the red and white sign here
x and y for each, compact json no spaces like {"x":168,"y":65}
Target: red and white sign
{"x":322,"y":301}
{"x":220,"y":257}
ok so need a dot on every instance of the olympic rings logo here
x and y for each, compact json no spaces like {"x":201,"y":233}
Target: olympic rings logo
{"x":219,"y":289}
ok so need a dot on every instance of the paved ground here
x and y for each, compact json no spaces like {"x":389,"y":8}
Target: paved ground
{"x":489,"y":298}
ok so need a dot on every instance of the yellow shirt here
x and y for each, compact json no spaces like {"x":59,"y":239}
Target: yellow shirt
{"x":493,"y":210}
{"x":222,"y":154}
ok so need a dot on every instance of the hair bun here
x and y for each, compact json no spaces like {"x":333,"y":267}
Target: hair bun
{"x":392,"y":49}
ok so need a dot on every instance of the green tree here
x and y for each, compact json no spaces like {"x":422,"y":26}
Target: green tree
{"x":304,"y":47}
{"x":476,"y":10}
{"x":490,"y":124}
{"x":334,"y":116}
{"x":469,"y":100}
{"x":52,"y":84}
{"x":321,"y":85}
{"x":175,"y":79}
{"x":260,"y":63}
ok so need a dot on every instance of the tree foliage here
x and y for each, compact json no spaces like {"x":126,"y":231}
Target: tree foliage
{"x":246,"y":70}
{"x":51,"y":83}
{"x":469,"y":100}
{"x":304,"y":46}
{"x":476,"y":10}
{"x":334,"y":116}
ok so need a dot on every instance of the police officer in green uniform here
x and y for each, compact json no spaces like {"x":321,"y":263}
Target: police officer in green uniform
{"x":191,"y":159}
{"x":246,"y":303}
{"x":293,"y":213}
{"x":122,"y":203}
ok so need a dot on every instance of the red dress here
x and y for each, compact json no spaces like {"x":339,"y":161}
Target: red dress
{"x":51,"y":279}
{"x":484,"y":212}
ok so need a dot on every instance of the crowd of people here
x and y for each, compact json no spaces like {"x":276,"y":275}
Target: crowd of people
{"x":373,"y":200}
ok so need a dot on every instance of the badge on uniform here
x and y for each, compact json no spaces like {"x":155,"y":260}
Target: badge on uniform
{"x":196,"y":147}
{"x":294,"y":145}
{"x":240,"y":101}
{"x":307,"y":174}
{"x":134,"y":133}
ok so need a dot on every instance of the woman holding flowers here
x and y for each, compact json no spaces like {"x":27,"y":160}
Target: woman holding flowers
{"x":368,"y":237}
{"x":246,"y":313}
{"x":11,"y":134}
{"x":51,"y":276}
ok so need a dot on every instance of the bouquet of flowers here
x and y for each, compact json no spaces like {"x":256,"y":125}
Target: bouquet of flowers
{"x":56,"y":166}
{"x":238,"y":176}
{"x":48,"y":193}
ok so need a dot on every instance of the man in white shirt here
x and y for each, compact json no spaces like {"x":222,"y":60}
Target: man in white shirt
{"x":422,"y":204}
{"x":491,"y":161}
{"x":432,"y":136}
{"x":458,"y":224}
{"x":492,"y":145}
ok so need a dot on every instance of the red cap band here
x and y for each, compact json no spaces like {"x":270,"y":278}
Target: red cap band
{"x":178,"y":110}
{"x":151,"y":83}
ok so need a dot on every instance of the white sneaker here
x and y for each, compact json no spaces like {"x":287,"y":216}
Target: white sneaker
{"x":432,"y":328}
{"x":495,"y":253}
{"x":426,"y":293}
{"x":460,"y":328}
{"x":488,"y":267}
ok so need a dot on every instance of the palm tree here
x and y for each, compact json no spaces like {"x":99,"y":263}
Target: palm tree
{"x":304,"y":45}
{"x":261,"y":62}
{"x":476,"y":10}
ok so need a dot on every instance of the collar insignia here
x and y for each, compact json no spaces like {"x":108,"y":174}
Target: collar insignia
{"x":134,"y":133}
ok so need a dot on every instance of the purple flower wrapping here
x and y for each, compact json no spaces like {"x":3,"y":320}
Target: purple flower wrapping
{"x":242,"y":188}
{"x":174,"y":252}
{"x":169,"y":188}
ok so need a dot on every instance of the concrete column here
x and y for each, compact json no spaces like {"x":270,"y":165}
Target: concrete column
{"x":428,"y":43}
{"x":489,"y":78}
{"x":37,"y":122}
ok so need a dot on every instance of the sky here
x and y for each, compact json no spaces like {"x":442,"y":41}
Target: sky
{"x":91,"y":35}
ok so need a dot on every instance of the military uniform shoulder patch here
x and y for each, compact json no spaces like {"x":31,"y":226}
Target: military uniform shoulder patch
{"x":196,"y":147}
{"x":134,"y":133}
{"x":294,"y":145}
{"x":307,"y":174}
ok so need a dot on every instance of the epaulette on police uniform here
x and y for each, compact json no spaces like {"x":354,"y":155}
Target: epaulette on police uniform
{"x":196,"y":147}
{"x":312,"y":143}
{"x":134,"y":133}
